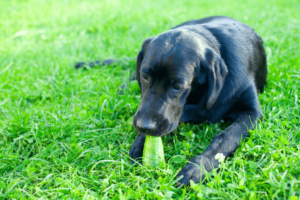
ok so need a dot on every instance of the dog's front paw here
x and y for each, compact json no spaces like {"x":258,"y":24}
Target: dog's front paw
{"x":190,"y":172}
{"x":196,"y":170}
{"x":136,"y":151}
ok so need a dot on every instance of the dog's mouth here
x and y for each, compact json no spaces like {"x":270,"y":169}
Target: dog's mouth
{"x":161,"y":128}
{"x":168,"y":129}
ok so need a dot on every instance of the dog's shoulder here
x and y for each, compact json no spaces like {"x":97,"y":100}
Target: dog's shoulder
{"x":237,"y":46}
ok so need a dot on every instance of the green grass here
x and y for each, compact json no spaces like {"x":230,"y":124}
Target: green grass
{"x":65,"y":134}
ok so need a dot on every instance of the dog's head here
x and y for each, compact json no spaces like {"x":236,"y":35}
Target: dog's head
{"x":168,"y":68}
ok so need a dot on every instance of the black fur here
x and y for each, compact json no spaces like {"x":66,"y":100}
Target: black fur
{"x":202,"y":70}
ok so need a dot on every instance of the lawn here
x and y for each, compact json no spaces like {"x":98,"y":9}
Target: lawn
{"x":66,"y":134}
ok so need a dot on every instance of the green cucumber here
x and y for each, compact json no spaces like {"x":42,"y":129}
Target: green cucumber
{"x":153,"y":154}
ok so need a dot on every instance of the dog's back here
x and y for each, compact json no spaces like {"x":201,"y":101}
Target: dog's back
{"x":235,"y":38}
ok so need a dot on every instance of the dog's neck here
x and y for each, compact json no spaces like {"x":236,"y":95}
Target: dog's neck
{"x":204,"y":35}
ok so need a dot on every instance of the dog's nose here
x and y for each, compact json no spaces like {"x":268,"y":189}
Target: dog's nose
{"x":145,"y":126}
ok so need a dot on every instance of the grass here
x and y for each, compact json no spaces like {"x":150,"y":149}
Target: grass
{"x":65,"y":134}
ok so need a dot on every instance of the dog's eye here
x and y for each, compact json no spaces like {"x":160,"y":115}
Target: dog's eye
{"x":145,"y":76}
{"x":177,"y":87}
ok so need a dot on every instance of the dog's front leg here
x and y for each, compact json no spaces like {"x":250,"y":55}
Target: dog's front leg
{"x":225,"y":143}
{"x":136,"y":151}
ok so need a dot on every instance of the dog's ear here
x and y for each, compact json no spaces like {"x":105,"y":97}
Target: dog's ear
{"x":212,"y":71}
{"x":140,"y":58}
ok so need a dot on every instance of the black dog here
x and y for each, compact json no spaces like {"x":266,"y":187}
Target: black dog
{"x":202,"y":70}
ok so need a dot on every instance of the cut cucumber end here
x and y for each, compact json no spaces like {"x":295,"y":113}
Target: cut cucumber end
{"x":153,"y":153}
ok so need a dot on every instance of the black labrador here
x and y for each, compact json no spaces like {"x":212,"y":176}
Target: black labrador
{"x":209,"y":69}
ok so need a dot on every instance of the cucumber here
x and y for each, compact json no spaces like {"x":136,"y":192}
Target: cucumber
{"x":153,"y":154}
